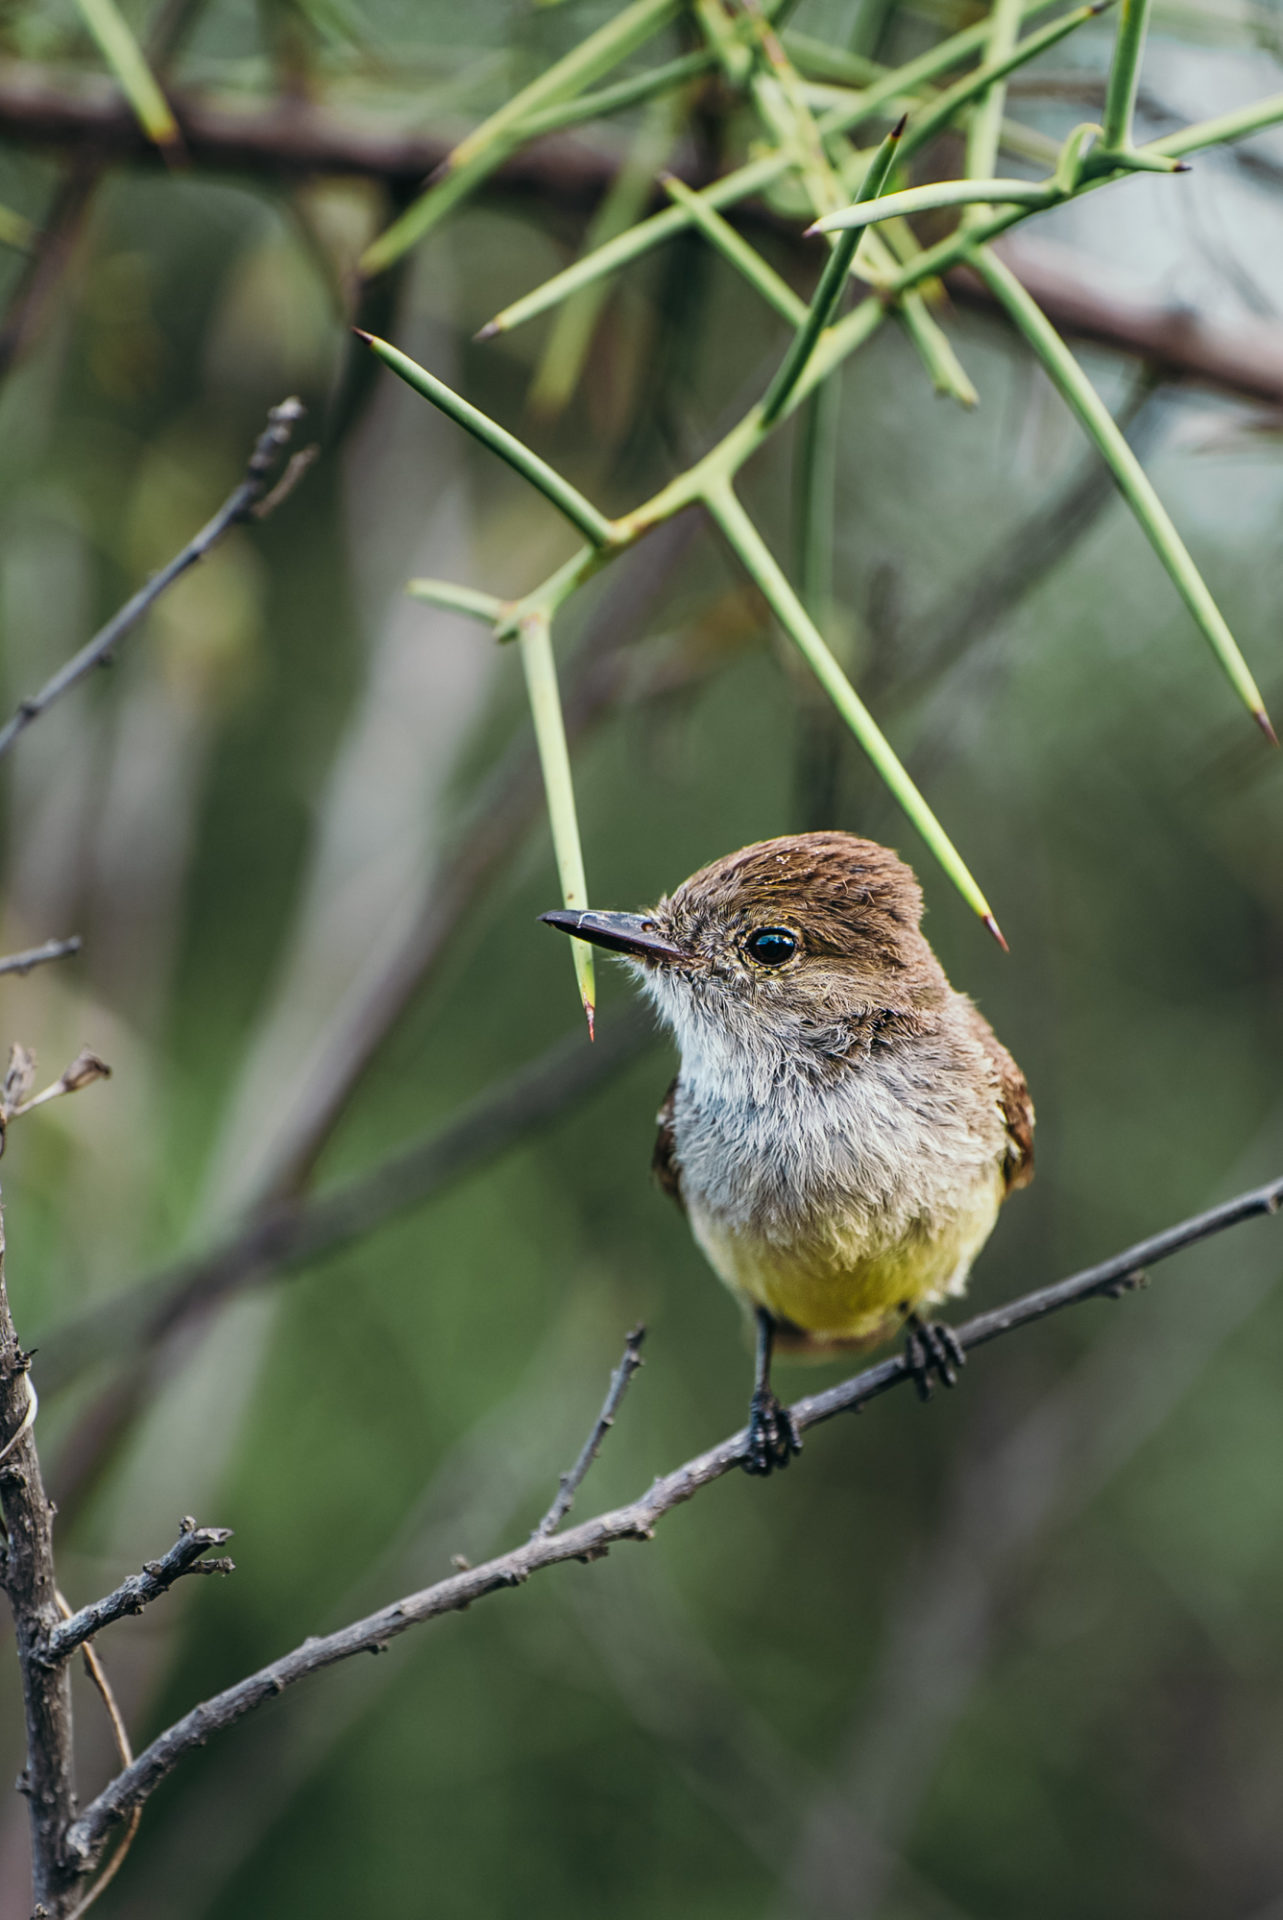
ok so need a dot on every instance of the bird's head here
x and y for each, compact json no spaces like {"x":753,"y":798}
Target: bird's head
{"x":783,"y":943}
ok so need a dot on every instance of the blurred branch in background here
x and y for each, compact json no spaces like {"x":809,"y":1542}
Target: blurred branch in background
{"x":37,"y":956}
{"x":301,"y":1228}
{"x":84,"y":1839}
{"x":301,"y":139}
{"x":603,"y":669}
{"x":251,"y":499}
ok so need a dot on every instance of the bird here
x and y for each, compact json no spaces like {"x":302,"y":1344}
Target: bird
{"x":844,"y":1125}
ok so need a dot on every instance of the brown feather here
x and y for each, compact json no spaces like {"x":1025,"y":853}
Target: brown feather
{"x":663,"y":1162}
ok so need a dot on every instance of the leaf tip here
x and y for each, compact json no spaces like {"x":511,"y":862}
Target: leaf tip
{"x":897,"y":131}
{"x":590,"y":1015}
{"x":995,"y":930}
{"x":1266,"y":725}
{"x":488,"y":332}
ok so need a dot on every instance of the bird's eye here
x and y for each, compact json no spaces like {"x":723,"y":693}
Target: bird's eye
{"x":771,"y":946}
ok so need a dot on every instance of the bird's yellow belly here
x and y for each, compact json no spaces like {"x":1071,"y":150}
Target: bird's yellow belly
{"x":850,"y":1286}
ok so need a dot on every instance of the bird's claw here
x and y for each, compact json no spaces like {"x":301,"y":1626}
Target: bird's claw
{"x":773,"y":1437}
{"x":932,"y":1351}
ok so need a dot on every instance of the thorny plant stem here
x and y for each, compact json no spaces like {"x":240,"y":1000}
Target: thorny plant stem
{"x":591,"y":1539}
{"x":540,"y":668}
{"x":1133,"y":482}
{"x":1124,"y":74}
{"x":761,"y":565}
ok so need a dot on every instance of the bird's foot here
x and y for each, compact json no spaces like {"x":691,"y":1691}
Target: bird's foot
{"x":932,"y":1352}
{"x":773,"y":1437}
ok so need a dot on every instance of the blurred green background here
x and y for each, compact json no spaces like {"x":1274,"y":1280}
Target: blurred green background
{"x":1017,"y":1652}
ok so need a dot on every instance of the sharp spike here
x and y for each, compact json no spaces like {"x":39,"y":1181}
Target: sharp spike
{"x":1264,"y":722}
{"x":488,"y":332}
{"x":996,"y":931}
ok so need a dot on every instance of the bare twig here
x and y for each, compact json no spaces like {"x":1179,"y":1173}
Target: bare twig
{"x":239,"y":505}
{"x":137,"y":1592}
{"x":36,"y":956}
{"x":125,"y":1753}
{"x":593,"y":1538}
{"x":571,"y":1482}
{"x":83,"y":1071}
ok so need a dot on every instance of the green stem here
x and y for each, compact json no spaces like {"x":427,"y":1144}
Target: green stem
{"x":985,"y":131}
{"x":925,"y":126}
{"x":592,"y":524}
{"x":1133,"y":482}
{"x":535,"y":637}
{"x":817,"y":496}
{"x":830,"y":290}
{"x":941,"y":193}
{"x":1124,"y":74}
{"x":752,"y":178}
{"x":125,"y":58}
{"x":1220,"y":131}
{"x":488,"y":145}
{"x":561,"y":364}
{"x":632,"y":92}
{"x":733,"y":247}
{"x":444,"y":593}
{"x":760,"y":563}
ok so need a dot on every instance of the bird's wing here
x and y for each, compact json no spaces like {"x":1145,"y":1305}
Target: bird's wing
{"x":1015,"y":1104}
{"x":1018,"y":1113}
{"x":663,"y":1162}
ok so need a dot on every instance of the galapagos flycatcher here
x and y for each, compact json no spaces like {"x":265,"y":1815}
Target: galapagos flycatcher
{"x":844,"y":1125}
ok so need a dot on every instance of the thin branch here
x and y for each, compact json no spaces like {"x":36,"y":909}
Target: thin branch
{"x":139,"y":1590}
{"x":297,"y":1230}
{"x":239,"y":505}
{"x":572,"y":1481}
{"x":637,"y":1521}
{"x":125,"y":1754}
{"x":36,"y":956}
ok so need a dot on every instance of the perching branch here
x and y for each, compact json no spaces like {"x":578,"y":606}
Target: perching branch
{"x":239,"y":505}
{"x":594,"y":1538}
{"x":140,"y":1589}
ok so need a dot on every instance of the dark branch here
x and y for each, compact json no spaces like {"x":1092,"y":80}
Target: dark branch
{"x":36,"y":956}
{"x":239,"y":505}
{"x":294,"y":138}
{"x":304,"y":1229}
{"x":30,"y":1582}
{"x":133,"y":1594}
{"x":637,"y":1521}
{"x":572,"y":1481}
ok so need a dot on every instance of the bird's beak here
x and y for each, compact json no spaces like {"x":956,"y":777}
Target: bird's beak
{"x":620,"y":932}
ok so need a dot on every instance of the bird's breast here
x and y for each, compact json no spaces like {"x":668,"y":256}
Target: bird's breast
{"x":833,"y":1202}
